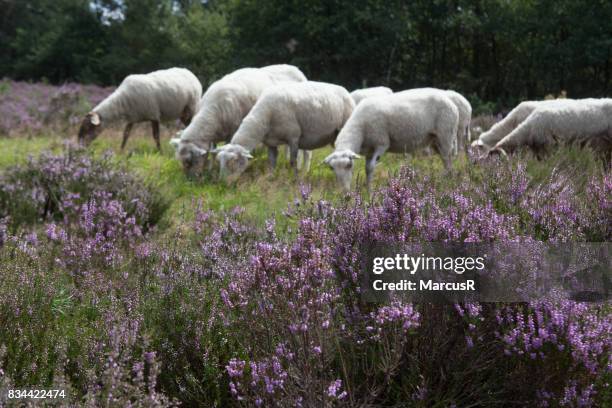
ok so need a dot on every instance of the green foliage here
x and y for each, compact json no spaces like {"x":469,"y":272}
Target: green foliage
{"x":496,"y":50}
{"x":202,"y":38}
{"x":47,"y":188}
{"x":58,"y":41}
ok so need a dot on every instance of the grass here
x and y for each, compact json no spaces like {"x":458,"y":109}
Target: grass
{"x":262,"y":194}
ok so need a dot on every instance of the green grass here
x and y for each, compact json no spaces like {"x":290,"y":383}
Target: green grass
{"x":16,"y":150}
{"x":261,"y":193}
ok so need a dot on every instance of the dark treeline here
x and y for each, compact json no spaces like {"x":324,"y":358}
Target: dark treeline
{"x":491,"y":50}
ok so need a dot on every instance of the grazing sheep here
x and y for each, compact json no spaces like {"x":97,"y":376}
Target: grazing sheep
{"x":285,"y":73}
{"x":581,"y":122}
{"x":516,"y":116}
{"x":400,"y":123}
{"x":465,"y":115}
{"x":222,"y":109}
{"x":305,"y":115}
{"x":359,"y":95}
{"x":163,"y":95}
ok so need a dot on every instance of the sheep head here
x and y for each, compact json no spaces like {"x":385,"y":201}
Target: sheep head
{"x":342,"y":163}
{"x":476,"y":131}
{"x":90,"y":128}
{"x":233,"y":160}
{"x":480,"y":148}
{"x":191,"y":156}
{"x":497,"y":151}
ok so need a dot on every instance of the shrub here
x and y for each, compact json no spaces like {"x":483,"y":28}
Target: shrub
{"x":225,"y":313}
{"x":28,"y":107}
{"x":51,"y":186}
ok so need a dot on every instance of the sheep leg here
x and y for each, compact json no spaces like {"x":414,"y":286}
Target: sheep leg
{"x":540,"y":152}
{"x":445,"y":147}
{"x":369,"y":167}
{"x":293,"y":151}
{"x":370,"y":164}
{"x":155,"y":127}
{"x":186,"y":116}
{"x":448,"y":165}
{"x":209,"y":160}
{"x":466,"y":139}
{"x":306,"y":159}
{"x":300,"y":159}
{"x":286,"y":151}
{"x":272,"y":156}
{"x":126,"y":134}
{"x":455,"y":148}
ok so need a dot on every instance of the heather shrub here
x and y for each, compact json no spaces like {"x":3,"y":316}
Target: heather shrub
{"x":94,"y":237}
{"x":305,"y":323}
{"x":88,"y":341}
{"x":564,"y":202}
{"x":575,"y":336}
{"x":222,"y":312}
{"x":51,"y":186}
{"x":185,"y":306}
{"x":28,"y":108}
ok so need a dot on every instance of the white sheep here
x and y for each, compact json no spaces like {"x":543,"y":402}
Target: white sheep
{"x":400,"y":123}
{"x":514,"y":118}
{"x":465,"y":118}
{"x":162,"y":95}
{"x":465,"y":114}
{"x":360,"y":94}
{"x":305,"y":115}
{"x":223,"y":107}
{"x":581,"y":122}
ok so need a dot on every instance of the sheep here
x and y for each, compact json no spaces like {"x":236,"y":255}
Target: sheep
{"x":586,"y":122}
{"x":285,"y":73}
{"x":305,"y":115}
{"x":516,"y":116}
{"x":465,"y":115}
{"x":399,"y":123}
{"x":162,"y":95}
{"x":223,"y":107}
{"x":360,"y":94}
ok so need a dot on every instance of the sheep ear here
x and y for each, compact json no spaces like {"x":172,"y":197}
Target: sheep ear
{"x":247,"y":155}
{"x":219,"y":149}
{"x":356,"y":156}
{"x":199,"y":151}
{"x":174,"y":142}
{"x":327,"y":160}
{"x":94,"y":118}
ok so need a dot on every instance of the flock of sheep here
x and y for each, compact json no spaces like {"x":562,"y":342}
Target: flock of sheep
{"x":276,"y":105}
